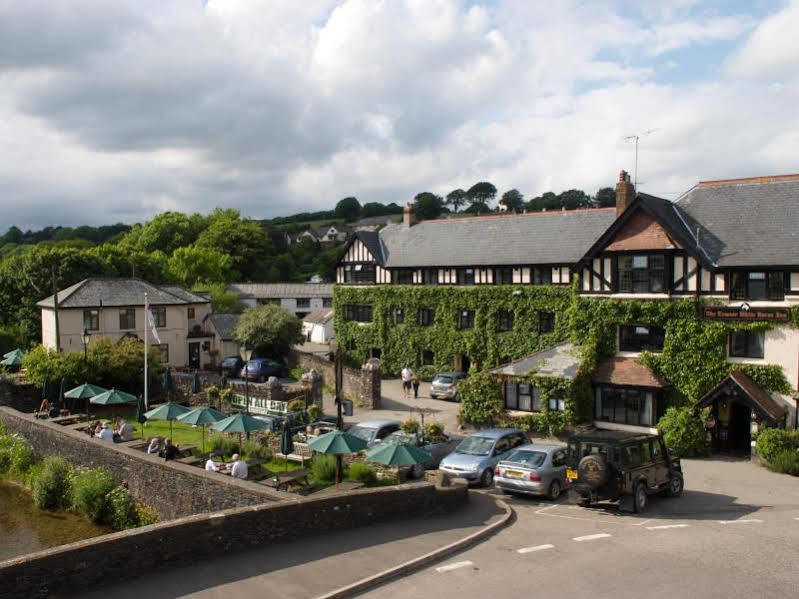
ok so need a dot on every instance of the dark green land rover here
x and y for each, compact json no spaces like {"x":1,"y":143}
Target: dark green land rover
{"x":621,"y":466}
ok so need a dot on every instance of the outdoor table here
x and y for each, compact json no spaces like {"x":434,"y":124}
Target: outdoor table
{"x":288,"y":478}
{"x":134,"y":444}
{"x":185,"y":450}
{"x":68,"y":419}
{"x":190,"y":460}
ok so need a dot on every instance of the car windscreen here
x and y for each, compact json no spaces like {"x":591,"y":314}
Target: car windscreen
{"x":443,"y":380}
{"x":229,"y":362}
{"x":400,"y":437}
{"x":531,"y":459}
{"x":363,"y":433}
{"x":475,"y":446}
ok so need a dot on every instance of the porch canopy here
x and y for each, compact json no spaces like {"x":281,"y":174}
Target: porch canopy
{"x":739,"y":387}
{"x":560,"y":361}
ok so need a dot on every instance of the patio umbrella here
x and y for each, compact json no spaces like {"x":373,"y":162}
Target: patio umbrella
{"x":59,"y":401}
{"x":239,"y":423}
{"x":13,"y":359}
{"x":113,"y":398}
{"x":286,"y":444}
{"x":140,"y":418}
{"x":196,"y":386}
{"x":398,"y":454}
{"x":85,"y":391}
{"x":14,"y":352}
{"x":337,"y":443}
{"x":46,"y":388}
{"x":201,"y":417}
{"x":8,"y":353}
{"x":168,"y":411}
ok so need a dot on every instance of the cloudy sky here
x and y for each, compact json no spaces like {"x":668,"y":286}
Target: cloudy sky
{"x":114,"y":111}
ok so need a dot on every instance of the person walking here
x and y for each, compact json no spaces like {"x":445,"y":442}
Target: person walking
{"x":407,"y":375}
{"x":415,"y":380}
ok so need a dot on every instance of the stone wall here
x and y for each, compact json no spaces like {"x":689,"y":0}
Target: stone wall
{"x":362,"y":386}
{"x":24,"y":397}
{"x":91,"y":563}
{"x":173,"y":490}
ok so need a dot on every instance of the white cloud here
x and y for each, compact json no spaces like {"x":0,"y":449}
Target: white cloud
{"x":772,"y":52}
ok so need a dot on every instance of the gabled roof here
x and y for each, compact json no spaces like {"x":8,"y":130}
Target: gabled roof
{"x":558,"y":237}
{"x":559,"y":361}
{"x":319,"y":316}
{"x":746,"y":222}
{"x":224,"y":324}
{"x":109,"y":292}
{"x":627,"y":372}
{"x":281,"y":290}
{"x":741,"y":387}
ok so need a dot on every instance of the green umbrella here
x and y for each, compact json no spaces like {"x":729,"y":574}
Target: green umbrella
{"x":196,"y":386}
{"x":286,"y":443}
{"x":15,"y":359}
{"x":166,"y":382}
{"x":239,"y":423}
{"x":46,"y":388}
{"x":60,"y":399}
{"x":168,"y":411}
{"x":85,"y":391}
{"x":8,"y":353}
{"x":113,"y":398}
{"x":14,"y":352}
{"x":398,"y":454}
{"x":201,"y":417}
{"x":140,"y":418}
{"x":337,"y":443}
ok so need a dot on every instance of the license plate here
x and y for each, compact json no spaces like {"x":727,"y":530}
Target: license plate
{"x":571,"y":474}
{"x":513,"y":474}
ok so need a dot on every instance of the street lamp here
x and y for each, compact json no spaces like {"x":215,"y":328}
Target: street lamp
{"x":85,"y":338}
{"x":247,"y":355}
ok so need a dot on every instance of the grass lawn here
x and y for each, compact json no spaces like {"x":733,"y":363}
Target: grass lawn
{"x":182,"y":434}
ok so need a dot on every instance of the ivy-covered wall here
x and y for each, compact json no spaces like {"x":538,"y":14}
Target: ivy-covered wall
{"x":402,"y":344}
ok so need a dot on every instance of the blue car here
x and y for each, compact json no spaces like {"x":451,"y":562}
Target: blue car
{"x":260,"y":369}
{"x":478,"y":454}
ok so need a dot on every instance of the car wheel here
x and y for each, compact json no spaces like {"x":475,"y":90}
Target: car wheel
{"x":675,"y":485}
{"x":640,"y":498}
{"x":417,"y":471}
{"x":487,"y":478}
{"x":554,"y":490}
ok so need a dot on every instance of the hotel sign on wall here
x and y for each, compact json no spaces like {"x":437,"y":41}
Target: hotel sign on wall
{"x":745,"y":312}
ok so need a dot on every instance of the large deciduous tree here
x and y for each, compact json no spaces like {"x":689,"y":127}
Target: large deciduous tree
{"x":481,"y":193}
{"x":243,"y":240}
{"x":513,"y":200}
{"x":427,"y":205}
{"x":605,"y":197}
{"x":348,"y":209}
{"x":193,"y":264}
{"x":270,"y":329}
{"x":456,"y":198}
{"x":167,"y":232}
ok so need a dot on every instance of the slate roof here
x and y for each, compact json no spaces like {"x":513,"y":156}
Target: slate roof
{"x":281,"y":290}
{"x":109,"y":292}
{"x":628,"y":372}
{"x":746,"y":222}
{"x":319,"y":316}
{"x":559,"y":361}
{"x":224,"y":324}
{"x":557,"y":237}
{"x":371,"y":239}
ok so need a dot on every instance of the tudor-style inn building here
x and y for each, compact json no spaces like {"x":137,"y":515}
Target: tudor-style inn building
{"x":724,"y":255}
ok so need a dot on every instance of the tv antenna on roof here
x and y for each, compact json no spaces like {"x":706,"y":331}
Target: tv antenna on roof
{"x":635,"y":138}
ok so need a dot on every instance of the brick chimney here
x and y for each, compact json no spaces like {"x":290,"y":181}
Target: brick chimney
{"x":625,"y":193}
{"x":407,"y":215}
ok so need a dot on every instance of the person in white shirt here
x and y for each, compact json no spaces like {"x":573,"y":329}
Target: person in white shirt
{"x":211,"y":465}
{"x":124,"y":431}
{"x":407,"y":375}
{"x":106,"y":434}
{"x":239,"y":469}
{"x":154,"y":446}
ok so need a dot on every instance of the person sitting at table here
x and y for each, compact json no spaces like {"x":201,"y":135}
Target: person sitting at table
{"x":211,"y":465}
{"x":154,"y":446}
{"x":54,"y":411}
{"x":106,"y":434}
{"x":169,"y":452}
{"x":239,"y":469}
{"x":123,"y":430}
{"x":44,"y":409}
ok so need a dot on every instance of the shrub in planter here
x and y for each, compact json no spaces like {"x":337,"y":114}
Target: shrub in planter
{"x":89,"y":491}
{"x":434,"y":433}
{"x":315,"y":413}
{"x":224,"y":444}
{"x":145,"y":515}
{"x":253,"y":449}
{"x":51,"y":484}
{"x":481,"y":399}
{"x":410,"y":426}
{"x":362,"y":473}
{"x":323,"y":468}
{"x":684,"y":431}
{"x":785,"y":462}
{"x":119,"y":513}
{"x":772,"y":442}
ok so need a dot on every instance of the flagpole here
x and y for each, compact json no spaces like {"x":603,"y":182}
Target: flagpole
{"x":146,"y":324}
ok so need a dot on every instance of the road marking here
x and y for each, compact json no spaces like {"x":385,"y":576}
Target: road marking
{"x":751,"y":520}
{"x":665,"y":526}
{"x":455,"y":566}
{"x":536,"y":548}
{"x":642,"y":522}
{"x":796,"y":518}
{"x":600,"y":535}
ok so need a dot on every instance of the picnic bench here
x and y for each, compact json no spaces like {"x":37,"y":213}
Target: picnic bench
{"x":134,"y":443}
{"x":302,"y":453}
{"x":185,"y":450}
{"x":292,"y":477}
{"x":71,"y":419}
{"x":346,"y":485}
{"x":190,"y":460}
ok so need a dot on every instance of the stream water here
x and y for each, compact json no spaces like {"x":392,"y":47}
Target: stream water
{"x":24,"y":528}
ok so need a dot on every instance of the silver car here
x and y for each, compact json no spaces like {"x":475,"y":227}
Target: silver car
{"x":533,"y":470}
{"x":476,"y":456}
{"x":445,"y":385}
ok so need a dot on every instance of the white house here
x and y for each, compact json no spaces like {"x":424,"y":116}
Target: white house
{"x":299,"y":298}
{"x":318,"y":326}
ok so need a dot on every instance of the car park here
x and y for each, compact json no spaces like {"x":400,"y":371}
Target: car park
{"x":477,"y":455}
{"x":624,"y":466}
{"x":231,"y":366}
{"x":533,"y":470}
{"x":260,"y":369}
{"x":439,"y":449}
{"x":374,"y":431}
{"x":445,"y":385}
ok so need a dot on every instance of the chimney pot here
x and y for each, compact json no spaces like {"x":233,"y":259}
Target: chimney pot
{"x":408,"y":218}
{"x":625,"y":193}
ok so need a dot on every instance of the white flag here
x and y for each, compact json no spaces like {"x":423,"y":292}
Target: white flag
{"x":151,"y":320}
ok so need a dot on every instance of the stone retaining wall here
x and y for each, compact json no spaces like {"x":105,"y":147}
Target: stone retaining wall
{"x":24,"y":397}
{"x":173,"y":490}
{"x":362,"y":386}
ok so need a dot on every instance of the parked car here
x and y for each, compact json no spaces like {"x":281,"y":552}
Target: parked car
{"x":374,"y":431}
{"x":621,"y":466}
{"x":260,"y":369}
{"x":445,"y":385}
{"x":231,"y":366}
{"x":476,"y":456}
{"x":438,"y":450}
{"x":533,"y":470}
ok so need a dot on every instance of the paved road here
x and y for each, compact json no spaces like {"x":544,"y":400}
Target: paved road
{"x":734,"y":533}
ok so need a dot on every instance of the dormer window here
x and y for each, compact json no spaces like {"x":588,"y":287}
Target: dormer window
{"x":641,"y":273}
